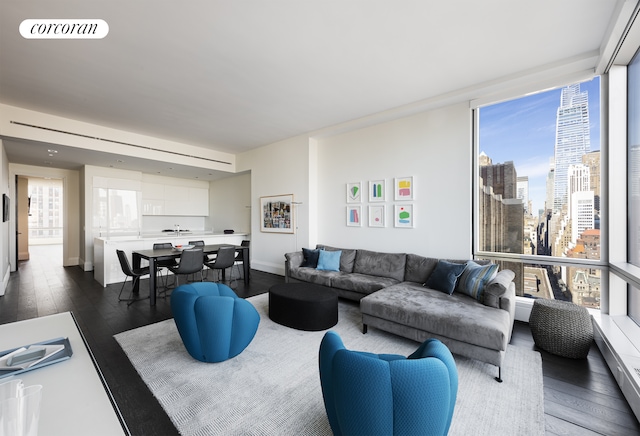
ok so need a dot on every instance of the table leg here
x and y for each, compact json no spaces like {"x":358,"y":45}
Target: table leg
{"x":245,"y":265}
{"x":152,"y":281}
{"x":135,"y":264}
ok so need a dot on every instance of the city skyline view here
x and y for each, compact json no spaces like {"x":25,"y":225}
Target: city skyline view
{"x":523,"y":130}
{"x":520,"y":141}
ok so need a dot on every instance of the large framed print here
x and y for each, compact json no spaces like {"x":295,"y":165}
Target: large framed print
{"x":277,"y":214}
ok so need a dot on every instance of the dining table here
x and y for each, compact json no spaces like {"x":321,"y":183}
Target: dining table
{"x":152,"y":256}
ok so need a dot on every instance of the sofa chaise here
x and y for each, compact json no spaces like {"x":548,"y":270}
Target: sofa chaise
{"x":402,"y":294}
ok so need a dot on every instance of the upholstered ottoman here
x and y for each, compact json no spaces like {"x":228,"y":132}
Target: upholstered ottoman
{"x":561,"y":328}
{"x":303,"y":306}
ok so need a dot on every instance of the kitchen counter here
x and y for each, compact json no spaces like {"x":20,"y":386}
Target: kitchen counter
{"x":170,"y":235}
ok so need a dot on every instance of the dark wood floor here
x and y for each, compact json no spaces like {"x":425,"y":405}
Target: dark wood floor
{"x":581,"y":397}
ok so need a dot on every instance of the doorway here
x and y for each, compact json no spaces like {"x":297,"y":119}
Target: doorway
{"x":40,"y":218}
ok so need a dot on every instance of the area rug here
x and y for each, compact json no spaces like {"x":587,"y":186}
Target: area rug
{"x":273,"y":386}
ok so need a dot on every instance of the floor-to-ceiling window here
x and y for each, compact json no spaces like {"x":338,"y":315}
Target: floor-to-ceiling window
{"x":45,"y":211}
{"x":633,"y":180}
{"x":539,"y":191}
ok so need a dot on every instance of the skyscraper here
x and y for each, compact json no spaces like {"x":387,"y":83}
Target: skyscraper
{"x":572,"y":139}
{"x":523,"y":191}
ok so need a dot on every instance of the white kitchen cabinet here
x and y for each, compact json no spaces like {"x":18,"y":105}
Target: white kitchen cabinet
{"x":152,"y":191}
{"x":174,"y":200}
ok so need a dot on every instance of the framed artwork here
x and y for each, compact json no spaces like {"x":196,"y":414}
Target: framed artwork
{"x":354,"y":216}
{"x":354,"y":192}
{"x":403,"y":216}
{"x":277,"y":214}
{"x":403,"y":188}
{"x":377,"y":216}
{"x":377,"y":190}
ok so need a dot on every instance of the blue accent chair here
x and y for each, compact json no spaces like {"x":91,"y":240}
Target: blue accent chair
{"x":367,"y":394}
{"x":214,"y":323}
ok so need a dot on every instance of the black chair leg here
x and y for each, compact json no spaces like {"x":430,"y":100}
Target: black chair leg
{"x":130,"y":300}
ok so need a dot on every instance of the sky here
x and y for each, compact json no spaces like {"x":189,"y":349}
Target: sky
{"x":524,"y":130}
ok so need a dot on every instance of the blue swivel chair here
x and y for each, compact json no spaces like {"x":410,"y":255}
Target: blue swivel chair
{"x":367,"y":394}
{"x":214,"y":323}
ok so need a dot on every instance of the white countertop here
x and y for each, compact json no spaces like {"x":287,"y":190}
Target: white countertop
{"x":168,"y":235}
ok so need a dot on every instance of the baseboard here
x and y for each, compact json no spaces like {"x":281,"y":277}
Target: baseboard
{"x":268,"y":267}
{"x":615,"y":336}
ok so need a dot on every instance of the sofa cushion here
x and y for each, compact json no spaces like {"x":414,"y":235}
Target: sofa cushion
{"x":312,"y":275}
{"x":496,"y":288}
{"x":454,"y":316}
{"x":329,"y":260}
{"x":474,"y":278}
{"x":444,"y":277}
{"x":361,"y":283}
{"x":373,"y":263}
{"x":419,"y":268}
{"x":310,"y":257}
{"x":346,"y":260}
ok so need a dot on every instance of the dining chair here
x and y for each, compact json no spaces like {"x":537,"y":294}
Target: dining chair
{"x":190,"y":263}
{"x":206,"y":258}
{"x":225,"y":259}
{"x":240,"y":257}
{"x":134,"y":273}
{"x":164,"y":262}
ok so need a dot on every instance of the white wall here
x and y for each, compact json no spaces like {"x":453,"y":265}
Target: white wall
{"x":434,"y":147}
{"x":230,"y":204}
{"x":277,"y":169}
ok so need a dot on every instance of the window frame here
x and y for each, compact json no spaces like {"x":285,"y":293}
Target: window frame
{"x":602,"y":263}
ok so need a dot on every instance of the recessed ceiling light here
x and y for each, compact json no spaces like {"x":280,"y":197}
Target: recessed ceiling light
{"x":52,"y":151}
{"x":120,"y":161}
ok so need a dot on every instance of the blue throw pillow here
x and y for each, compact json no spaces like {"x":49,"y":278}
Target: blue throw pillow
{"x":444,"y":277}
{"x":329,"y":260}
{"x":474,"y":278}
{"x":310,"y":258}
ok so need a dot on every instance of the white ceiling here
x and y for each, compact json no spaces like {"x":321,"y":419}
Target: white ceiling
{"x":235,"y":75}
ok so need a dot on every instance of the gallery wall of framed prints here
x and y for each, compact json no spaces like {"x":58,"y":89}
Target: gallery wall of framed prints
{"x":402,"y":209}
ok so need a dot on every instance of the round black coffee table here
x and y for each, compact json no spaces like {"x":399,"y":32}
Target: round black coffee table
{"x":303,"y":306}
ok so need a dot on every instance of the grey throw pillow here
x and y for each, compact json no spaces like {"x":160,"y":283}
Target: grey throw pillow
{"x":497,"y":287}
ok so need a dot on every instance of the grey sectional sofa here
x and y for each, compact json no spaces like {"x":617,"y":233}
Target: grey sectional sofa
{"x":392,"y":295}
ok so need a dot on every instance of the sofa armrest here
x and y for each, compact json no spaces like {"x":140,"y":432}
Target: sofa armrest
{"x":501,"y":294}
{"x":499,"y":288}
{"x":291,"y":259}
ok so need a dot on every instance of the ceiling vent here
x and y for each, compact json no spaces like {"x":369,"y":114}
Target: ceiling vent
{"x":118,"y":142}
